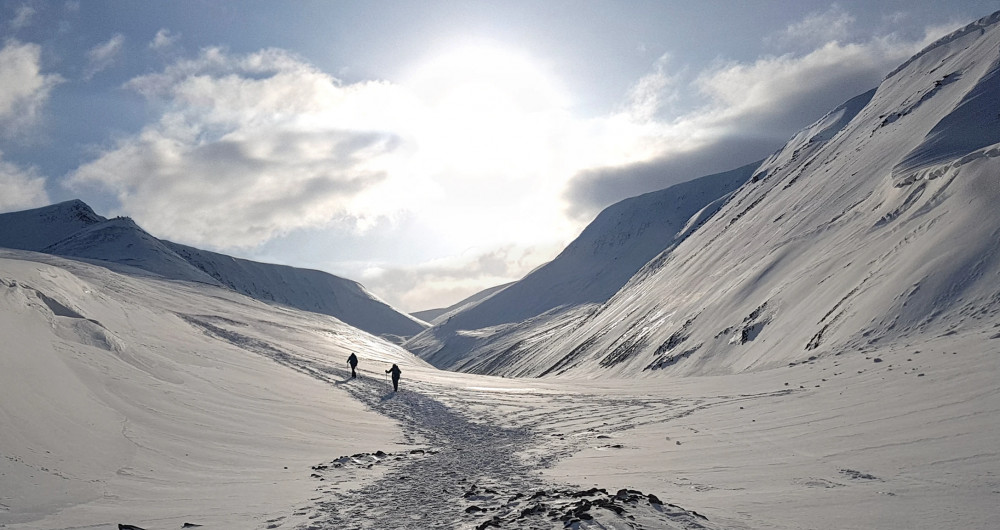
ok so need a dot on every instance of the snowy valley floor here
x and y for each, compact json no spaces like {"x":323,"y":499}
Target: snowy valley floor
{"x":902,"y":437}
{"x":159,"y":404}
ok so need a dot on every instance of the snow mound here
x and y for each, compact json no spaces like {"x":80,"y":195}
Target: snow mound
{"x":118,"y":408}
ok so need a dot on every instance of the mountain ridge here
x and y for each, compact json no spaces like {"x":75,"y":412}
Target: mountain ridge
{"x":875,"y":224}
{"x":840,"y":248}
{"x":73,"y":229}
{"x":612,"y":248}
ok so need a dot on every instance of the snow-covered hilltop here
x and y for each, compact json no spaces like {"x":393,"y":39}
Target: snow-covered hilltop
{"x":877,"y":224}
{"x":73,"y":229}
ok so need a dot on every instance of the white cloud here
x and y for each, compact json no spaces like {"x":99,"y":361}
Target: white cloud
{"x":22,"y":188}
{"x":449,"y":280}
{"x":22,"y":17}
{"x":817,"y":29}
{"x":648,"y":95}
{"x":104,"y":55}
{"x":23,"y":87}
{"x":163,"y":40}
{"x":749,"y":109}
{"x":251,"y":147}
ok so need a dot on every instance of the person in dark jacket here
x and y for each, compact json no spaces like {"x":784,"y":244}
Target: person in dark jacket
{"x":395,"y":371}
{"x":353,"y":361}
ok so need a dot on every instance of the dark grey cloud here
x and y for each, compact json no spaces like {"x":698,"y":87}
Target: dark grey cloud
{"x":593,"y":190}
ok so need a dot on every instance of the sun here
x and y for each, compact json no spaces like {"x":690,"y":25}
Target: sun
{"x":486,"y":106}
{"x":487,"y":139}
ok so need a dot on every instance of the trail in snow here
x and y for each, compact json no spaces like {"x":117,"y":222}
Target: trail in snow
{"x":474,"y":473}
{"x":473,"y":460}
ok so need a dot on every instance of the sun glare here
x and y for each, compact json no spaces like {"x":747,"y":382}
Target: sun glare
{"x":487,"y":131}
{"x":486,"y":108}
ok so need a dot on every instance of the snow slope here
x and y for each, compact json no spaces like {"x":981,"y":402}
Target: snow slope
{"x":40,"y":227}
{"x":436,"y":316}
{"x":129,"y":398}
{"x":306,"y":289}
{"x":874,"y":230}
{"x":73,"y":229}
{"x":121,"y":241}
{"x":590,"y":270}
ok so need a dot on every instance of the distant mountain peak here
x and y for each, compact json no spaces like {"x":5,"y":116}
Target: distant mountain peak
{"x":72,"y":210}
{"x":39,"y":228}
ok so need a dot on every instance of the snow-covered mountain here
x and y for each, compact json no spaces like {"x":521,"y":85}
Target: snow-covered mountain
{"x":73,"y":229}
{"x":306,"y":289}
{"x":589,"y":271}
{"x":876,"y":225}
{"x":38,"y":228}
{"x":436,"y":316}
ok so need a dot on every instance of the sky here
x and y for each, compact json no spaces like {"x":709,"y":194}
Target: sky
{"x":427,"y":149}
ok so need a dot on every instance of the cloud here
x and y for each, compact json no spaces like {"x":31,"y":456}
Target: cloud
{"x":647,"y":96}
{"x":751,"y":109}
{"x":22,"y":17}
{"x":103,"y":56}
{"x":163,"y":40}
{"x":22,"y":188}
{"x":250,"y":147}
{"x":24,"y":89}
{"x":817,"y":29}
{"x":454,"y":279}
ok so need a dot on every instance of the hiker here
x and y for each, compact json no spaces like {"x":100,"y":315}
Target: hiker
{"x":353,"y":361}
{"x":395,"y":371}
